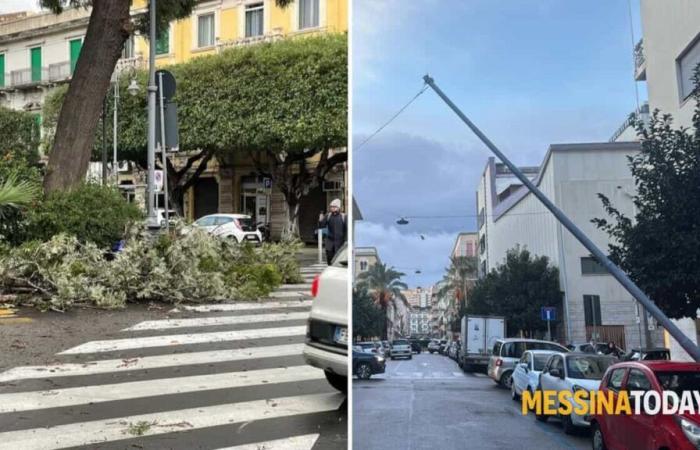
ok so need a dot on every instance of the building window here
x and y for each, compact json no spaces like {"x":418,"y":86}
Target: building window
{"x":363,"y":265}
{"x":205,"y":30}
{"x":482,"y":244}
{"x":470,"y":249}
{"x":254,"y":20}
{"x":75,"y":45}
{"x":2,"y":69}
{"x":687,"y":63}
{"x":590,"y":266}
{"x":163,"y":43}
{"x":128,"y":51}
{"x":308,"y":14}
{"x":591,"y":310}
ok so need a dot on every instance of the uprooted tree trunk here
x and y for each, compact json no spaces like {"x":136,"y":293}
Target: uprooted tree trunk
{"x":183,"y":178}
{"x":293,"y":177}
{"x":108,"y":29}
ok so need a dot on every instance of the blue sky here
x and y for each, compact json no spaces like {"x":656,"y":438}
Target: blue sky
{"x":529,"y":73}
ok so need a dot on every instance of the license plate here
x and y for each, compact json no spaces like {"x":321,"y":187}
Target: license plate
{"x":341,"y":335}
{"x":250,"y":237}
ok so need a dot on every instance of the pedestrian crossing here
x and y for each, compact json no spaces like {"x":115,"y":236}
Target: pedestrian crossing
{"x":225,"y":376}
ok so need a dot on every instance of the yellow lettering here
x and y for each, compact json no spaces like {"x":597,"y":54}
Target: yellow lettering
{"x":581,"y":402}
{"x":564,"y":403}
{"x":531,"y":401}
{"x":549,"y":397}
{"x":604,"y":403}
{"x":623,"y":403}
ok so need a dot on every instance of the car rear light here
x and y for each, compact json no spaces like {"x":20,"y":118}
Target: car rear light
{"x":314,"y":286}
{"x":499,"y":362}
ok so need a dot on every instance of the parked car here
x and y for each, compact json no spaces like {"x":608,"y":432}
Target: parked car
{"x":239,"y":227}
{"x":443,"y":347}
{"x":379,"y":348}
{"x":416,"y":347}
{"x":364,"y":364}
{"x":365,"y":347}
{"x":507,"y":352}
{"x":327,"y":331}
{"x":386,"y":347}
{"x":584,"y":347}
{"x":647,"y":354}
{"x":401,"y":348}
{"x":453,"y":349}
{"x":434,"y":346}
{"x":526,"y":374}
{"x":572,"y":372}
{"x":647,"y":432}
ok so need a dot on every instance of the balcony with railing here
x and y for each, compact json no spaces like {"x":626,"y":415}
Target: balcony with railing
{"x":273,"y":36}
{"x":629,"y":126}
{"x":640,"y":62}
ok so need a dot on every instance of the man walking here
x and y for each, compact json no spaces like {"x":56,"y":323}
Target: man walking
{"x":334,"y":222}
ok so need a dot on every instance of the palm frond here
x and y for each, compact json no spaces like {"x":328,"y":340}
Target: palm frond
{"x":15,"y":194}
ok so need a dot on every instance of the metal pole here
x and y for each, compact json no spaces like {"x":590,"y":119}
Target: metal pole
{"x":104,"y":141}
{"x":151,"y":155}
{"x":615,"y":271}
{"x":165,"y":154}
{"x":320,"y":246}
{"x":115,"y":163}
{"x":549,"y":330}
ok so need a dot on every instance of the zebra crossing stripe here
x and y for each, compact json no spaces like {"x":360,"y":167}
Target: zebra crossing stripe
{"x":58,"y":398}
{"x":290,"y":294}
{"x":304,"y":442}
{"x":222,"y":307}
{"x":183,"y":339}
{"x":214,"y":321}
{"x":149,"y":362}
{"x":101,"y":431}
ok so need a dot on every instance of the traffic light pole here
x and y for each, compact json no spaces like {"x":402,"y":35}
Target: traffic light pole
{"x":615,"y":271}
{"x":151,"y":219}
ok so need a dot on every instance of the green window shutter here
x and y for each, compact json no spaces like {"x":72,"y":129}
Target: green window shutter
{"x":163,"y":43}
{"x":36,"y":64}
{"x":2,"y":70}
{"x":75,"y":46}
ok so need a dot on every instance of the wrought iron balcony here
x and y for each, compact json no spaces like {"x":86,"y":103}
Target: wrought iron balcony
{"x":275,"y":35}
{"x":60,"y":71}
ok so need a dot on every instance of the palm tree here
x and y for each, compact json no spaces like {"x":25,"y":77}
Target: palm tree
{"x":385,"y":286}
{"x":458,"y":281}
{"x":15,"y":194}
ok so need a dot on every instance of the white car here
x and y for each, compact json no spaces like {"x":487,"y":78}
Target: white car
{"x":527,"y":371}
{"x":239,"y":227}
{"x":572,"y":372}
{"x":160,"y":215}
{"x":401,"y":348}
{"x":327,"y":333}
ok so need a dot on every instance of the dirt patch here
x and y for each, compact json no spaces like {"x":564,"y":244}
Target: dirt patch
{"x":36,"y":342}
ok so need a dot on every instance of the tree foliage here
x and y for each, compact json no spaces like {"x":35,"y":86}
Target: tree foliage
{"x":20,"y":137}
{"x":458,"y":282}
{"x":660,"y":247}
{"x":517,"y":290}
{"x":368,"y":319}
{"x":384,"y":286}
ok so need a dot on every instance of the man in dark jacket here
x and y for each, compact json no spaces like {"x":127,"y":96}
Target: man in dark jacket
{"x":334,"y":222}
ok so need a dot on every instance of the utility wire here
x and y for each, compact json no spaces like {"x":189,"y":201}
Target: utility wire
{"x":403,"y":108}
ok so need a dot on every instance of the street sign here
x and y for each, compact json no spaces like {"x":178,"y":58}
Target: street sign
{"x":172,"y":139}
{"x":158,"y":179}
{"x":267,"y":182}
{"x":549,"y":313}
{"x":168,"y":84}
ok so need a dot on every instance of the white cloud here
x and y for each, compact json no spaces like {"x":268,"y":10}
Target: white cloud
{"x":10,"y":6}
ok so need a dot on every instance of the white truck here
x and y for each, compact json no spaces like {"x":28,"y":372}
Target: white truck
{"x":478,"y":335}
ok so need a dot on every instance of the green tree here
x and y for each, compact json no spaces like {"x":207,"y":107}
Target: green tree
{"x":659,"y":248}
{"x":384,"y":286}
{"x":285,"y":106}
{"x":458,"y":281}
{"x":109,"y":27}
{"x":20,"y":137}
{"x":367,"y":318}
{"x":15,"y":194}
{"x":517,"y":290}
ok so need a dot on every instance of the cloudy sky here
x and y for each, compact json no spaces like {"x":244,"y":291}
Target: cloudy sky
{"x":529,"y":73}
{"x":8,"y":6}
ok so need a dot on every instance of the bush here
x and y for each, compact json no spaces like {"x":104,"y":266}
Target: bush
{"x":91,"y":213}
{"x":195,"y":267}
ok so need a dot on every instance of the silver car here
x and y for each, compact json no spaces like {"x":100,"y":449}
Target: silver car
{"x":507,"y":353}
{"x":401,"y":348}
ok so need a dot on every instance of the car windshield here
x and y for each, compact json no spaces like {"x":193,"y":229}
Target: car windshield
{"x":246,"y":223}
{"x":341,"y":258}
{"x":399,"y":342}
{"x":540,"y":361}
{"x":588,"y":367}
{"x":679,"y":381}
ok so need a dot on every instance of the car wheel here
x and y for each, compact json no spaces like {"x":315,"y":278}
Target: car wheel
{"x":339,"y":382}
{"x":597,"y":437}
{"x":467,"y":368}
{"x":567,"y":425}
{"x":410,"y":357}
{"x":392,"y":358}
{"x":364,"y":371}
{"x":507,"y":379}
{"x":513,"y":393}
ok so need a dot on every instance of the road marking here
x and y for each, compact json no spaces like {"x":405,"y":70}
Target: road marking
{"x":241,"y":306}
{"x":58,"y":398}
{"x":289,"y":294}
{"x":149,"y":362}
{"x":100,"y":431}
{"x":300,"y":287}
{"x":304,"y":442}
{"x":183,"y":339}
{"x":14,"y":320}
{"x":214,"y":321}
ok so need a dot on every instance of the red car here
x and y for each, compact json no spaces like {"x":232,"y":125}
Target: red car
{"x":643,"y":431}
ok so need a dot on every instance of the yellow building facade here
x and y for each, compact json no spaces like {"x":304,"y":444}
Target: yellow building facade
{"x":234,"y":186}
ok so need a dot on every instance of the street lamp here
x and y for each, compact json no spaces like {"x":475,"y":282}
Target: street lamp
{"x":133,"y":90}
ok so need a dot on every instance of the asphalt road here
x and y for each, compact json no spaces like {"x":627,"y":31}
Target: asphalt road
{"x":429,"y":403}
{"x":208,"y":377}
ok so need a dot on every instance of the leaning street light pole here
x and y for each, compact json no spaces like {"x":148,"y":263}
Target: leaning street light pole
{"x":615,"y":271}
{"x":151,"y":155}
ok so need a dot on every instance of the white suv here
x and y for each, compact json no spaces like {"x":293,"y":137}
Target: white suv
{"x":327,"y":333}
{"x":234,"y":226}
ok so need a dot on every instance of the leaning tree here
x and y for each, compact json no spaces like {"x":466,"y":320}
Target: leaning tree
{"x":109,"y":27}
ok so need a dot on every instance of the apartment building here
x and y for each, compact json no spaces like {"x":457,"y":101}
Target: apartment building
{"x":365,"y":258}
{"x":466,"y":244}
{"x":39,"y":51}
{"x":595,"y":306}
